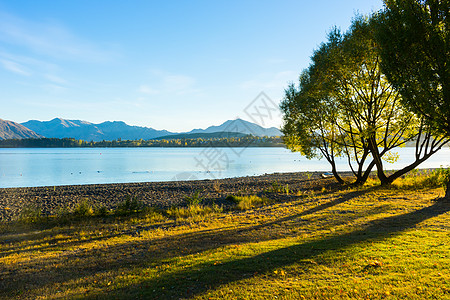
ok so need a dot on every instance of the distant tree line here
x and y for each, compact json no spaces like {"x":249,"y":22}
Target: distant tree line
{"x":246,"y":141}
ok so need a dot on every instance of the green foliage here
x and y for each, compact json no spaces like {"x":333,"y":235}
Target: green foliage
{"x":276,"y":187}
{"x":83,"y":209}
{"x":439,"y":177}
{"x":286,"y":189}
{"x":101,"y":211}
{"x":344,"y":106}
{"x":194,"y":199}
{"x":194,"y":211}
{"x":245,"y":141}
{"x":414,"y":46}
{"x":131,"y":205}
{"x":31,"y":214}
{"x":279,"y":188}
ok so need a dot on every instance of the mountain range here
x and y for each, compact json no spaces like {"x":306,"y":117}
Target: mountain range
{"x":83,"y":130}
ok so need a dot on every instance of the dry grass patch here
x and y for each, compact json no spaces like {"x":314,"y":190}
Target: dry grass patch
{"x":367,"y":242}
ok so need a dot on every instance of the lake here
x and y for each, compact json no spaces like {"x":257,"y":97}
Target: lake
{"x":22,"y":167}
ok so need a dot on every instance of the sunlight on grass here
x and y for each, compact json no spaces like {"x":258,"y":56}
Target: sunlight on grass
{"x":194,"y":212}
{"x":364,"y":242}
{"x":249,"y":202}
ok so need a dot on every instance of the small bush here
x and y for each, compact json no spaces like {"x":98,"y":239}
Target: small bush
{"x":30,"y":214}
{"x":276,"y":187}
{"x":372,"y":182}
{"x":279,"y":188}
{"x":439,"y":177}
{"x":216,"y":208}
{"x":101,"y":211}
{"x":83,"y":209}
{"x":153,"y":214}
{"x":130,"y":206}
{"x":248,"y":202}
{"x":286,"y":189}
{"x":194,"y":199}
{"x":423,"y":178}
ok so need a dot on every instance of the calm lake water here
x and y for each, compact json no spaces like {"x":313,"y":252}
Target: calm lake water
{"x":69,"y":166}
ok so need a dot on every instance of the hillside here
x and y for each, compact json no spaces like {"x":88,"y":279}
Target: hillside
{"x":12,"y":130}
{"x":240,"y":126}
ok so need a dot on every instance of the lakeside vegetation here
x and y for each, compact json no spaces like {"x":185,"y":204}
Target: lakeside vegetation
{"x":318,"y":242}
{"x":373,"y":88}
{"x":245,"y":141}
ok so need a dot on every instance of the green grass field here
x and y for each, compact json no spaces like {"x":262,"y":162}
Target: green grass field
{"x":368,"y":242}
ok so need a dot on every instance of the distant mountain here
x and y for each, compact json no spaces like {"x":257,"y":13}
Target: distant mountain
{"x":240,"y":126}
{"x":108,"y":131}
{"x":82,"y":130}
{"x":13,"y":130}
{"x":60,"y":128}
{"x":117,"y":129}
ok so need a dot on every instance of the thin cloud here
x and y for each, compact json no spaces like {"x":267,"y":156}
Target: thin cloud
{"x":31,"y":67}
{"x":31,"y":62}
{"x":54,"y":88}
{"x":178,"y":83}
{"x":49,"y":39}
{"x":169,"y":84}
{"x":55,"y":78}
{"x":145,"y":89}
{"x":14,"y":67}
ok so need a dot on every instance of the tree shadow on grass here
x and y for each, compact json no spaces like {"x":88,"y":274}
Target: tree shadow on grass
{"x":192,"y":282}
{"x":31,"y":233}
{"x":132,"y":255}
{"x":141,"y":253}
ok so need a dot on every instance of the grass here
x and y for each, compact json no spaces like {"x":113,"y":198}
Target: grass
{"x":357,"y":243}
{"x":249,"y":202}
{"x":278,"y":188}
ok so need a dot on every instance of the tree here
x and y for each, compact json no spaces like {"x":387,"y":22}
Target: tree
{"x":309,"y":126}
{"x":344,"y":106}
{"x":415,"y":49}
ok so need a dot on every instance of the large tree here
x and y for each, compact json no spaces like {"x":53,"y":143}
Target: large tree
{"x":415,"y":50}
{"x":344,"y":106}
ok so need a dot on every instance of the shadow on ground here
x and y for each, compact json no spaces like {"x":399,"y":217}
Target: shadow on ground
{"x":189,"y":283}
{"x":74,"y":265}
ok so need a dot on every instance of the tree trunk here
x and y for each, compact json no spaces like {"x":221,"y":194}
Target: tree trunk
{"x":406,"y":169}
{"x":360,"y":180}
{"x":336,"y":175}
{"x":377,"y":159}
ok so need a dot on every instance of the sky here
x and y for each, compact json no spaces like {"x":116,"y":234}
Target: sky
{"x":174,"y":65}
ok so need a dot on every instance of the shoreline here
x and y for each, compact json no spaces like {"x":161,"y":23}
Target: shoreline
{"x":51,"y":199}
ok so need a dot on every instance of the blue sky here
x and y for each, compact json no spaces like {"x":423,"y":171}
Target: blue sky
{"x":174,"y":65}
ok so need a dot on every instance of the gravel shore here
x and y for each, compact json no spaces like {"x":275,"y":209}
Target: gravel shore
{"x":159,"y":194}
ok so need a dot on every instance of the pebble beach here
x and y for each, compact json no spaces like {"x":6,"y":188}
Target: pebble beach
{"x":51,"y":199}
